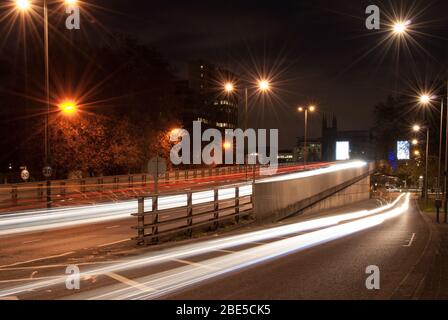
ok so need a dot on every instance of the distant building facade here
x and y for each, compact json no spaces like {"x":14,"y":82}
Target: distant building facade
{"x":361,"y":142}
{"x":314,"y":150}
{"x":211,"y":105}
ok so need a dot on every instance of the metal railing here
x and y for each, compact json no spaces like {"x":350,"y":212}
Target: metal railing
{"x":19,"y":193}
{"x":193,"y":214}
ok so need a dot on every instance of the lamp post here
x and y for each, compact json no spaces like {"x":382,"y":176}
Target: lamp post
{"x":24,"y":5}
{"x":263,"y":86}
{"x":425,"y":100}
{"x":418,"y":128}
{"x":305,"y":150}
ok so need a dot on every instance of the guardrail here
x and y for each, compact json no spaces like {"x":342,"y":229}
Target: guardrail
{"x":14,"y":194}
{"x":199,"y":210}
{"x":110,"y":188}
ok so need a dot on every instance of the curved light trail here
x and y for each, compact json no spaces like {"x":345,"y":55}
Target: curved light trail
{"x":39,"y":220}
{"x":353,"y":222}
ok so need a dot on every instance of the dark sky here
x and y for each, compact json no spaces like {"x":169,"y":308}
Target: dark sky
{"x":314,"y":49}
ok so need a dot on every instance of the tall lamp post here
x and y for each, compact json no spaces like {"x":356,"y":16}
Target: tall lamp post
{"x":425,"y":100}
{"x":263,"y":86}
{"x":417,"y":128}
{"x":306,"y":110}
{"x":24,"y":5}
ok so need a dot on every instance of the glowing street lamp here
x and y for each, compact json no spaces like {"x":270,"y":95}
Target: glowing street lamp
{"x":415,"y":142}
{"x":401,"y":27}
{"x":425,"y":99}
{"x":310,"y":108}
{"x":23,"y":4}
{"x":227,"y":145}
{"x":71,"y":2}
{"x":264,"y":85}
{"x":68,"y":107}
{"x":229,"y":87}
{"x":418,"y":128}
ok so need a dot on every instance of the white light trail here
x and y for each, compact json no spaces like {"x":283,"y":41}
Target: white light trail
{"x":39,"y":220}
{"x":213,"y":245}
{"x":167,"y":282}
{"x":312,"y":173}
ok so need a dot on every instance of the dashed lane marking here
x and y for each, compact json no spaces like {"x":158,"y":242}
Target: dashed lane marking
{"x":410,"y":241}
{"x":129,"y":282}
{"x":35,"y":260}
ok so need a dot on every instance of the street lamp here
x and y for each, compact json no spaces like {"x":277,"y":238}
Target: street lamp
{"x":418,"y":128}
{"x":400,"y":28}
{"x":263,"y":86}
{"x":68,"y":107}
{"x":415,"y":142}
{"x":310,"y":108}
{"x":23,"y":4}
{"x":425,"y":100}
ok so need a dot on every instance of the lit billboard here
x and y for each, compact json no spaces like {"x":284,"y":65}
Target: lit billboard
{"x":342,"y":150}
{"x":403,"y":150}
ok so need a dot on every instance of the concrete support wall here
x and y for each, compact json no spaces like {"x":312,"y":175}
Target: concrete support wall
{"x":360,"y":191}
{"x":278,"y":199}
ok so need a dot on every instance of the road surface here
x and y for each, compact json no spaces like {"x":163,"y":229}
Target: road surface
{"x":324,"y":257}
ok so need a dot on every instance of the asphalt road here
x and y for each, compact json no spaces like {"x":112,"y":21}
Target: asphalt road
{"x":335,"y":270}
{"x":243,"y":265}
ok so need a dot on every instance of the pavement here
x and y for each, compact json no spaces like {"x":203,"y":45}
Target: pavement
{"x":302,"y":258}
{"x":434,"y":266}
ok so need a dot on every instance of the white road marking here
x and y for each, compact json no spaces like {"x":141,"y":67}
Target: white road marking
{"x":111,"y":243}
{"x":52,"y":266}
{"x":129,"y":282}
{"x":195,"y":264}
{"x":31,"y":241}
{"x":28,"y":279}
{"x":112,"y":227}
{"x":410,"y":241}
{"x":35,"y":260}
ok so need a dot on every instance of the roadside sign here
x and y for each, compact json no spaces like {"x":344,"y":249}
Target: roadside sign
{"x":47,"y":172}
{"x":156,"y":166}
{"x":25,"y":175}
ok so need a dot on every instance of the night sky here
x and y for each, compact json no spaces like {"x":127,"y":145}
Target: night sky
{"x":318,"y":51}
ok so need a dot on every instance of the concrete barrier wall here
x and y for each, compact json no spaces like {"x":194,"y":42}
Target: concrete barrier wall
{"x":276,"y":200}
{"x":358,"y":192}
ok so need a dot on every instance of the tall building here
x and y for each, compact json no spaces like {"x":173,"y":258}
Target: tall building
{"x":214,"y":107}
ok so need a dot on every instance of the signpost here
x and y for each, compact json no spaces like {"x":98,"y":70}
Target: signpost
{"x":47,"y":172}
{"x":156,"y":167}
{"x":25,"y":174}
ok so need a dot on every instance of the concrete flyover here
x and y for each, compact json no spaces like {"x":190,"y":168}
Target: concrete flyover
{"x":280,"y":197}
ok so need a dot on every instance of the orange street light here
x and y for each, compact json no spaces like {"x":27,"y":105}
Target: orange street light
{"x":264,"y":85}
{"x":23,"y":4}
{"x":415,"y":142}
{"x":229,"y":87}
{"x":174,"y":132}
{"x":68,"y":107}
{"x":71,"y":2}
{"x":227,"y":145}
{"x":416,"y":128}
